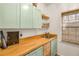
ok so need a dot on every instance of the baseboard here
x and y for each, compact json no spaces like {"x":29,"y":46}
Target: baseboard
{"x":58,"y":55}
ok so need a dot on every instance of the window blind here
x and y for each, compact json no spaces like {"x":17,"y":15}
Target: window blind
{"x":70,"y":28}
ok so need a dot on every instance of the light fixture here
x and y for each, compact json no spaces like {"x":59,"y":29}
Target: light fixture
{"x":25,"y":7}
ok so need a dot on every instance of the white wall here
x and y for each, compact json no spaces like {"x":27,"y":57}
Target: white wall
{"x":68,"y":49}
{"x":69,"y":6}
{"x":54,"y":11}
{"x":31,"y":32}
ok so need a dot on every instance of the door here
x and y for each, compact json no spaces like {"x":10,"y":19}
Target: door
{"x":26,"y":15}
{"x":53,"y":47}
{"x":37,"y":18}
{"x":10,"y":15}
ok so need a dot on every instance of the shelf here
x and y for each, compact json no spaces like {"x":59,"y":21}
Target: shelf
{"x":45,"y":17}
{"x":45,"y":25}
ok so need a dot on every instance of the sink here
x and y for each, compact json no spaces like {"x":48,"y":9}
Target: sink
{"x":47,"y":35}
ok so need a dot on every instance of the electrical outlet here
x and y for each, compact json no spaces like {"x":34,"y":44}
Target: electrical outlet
{"x":21,"y":35}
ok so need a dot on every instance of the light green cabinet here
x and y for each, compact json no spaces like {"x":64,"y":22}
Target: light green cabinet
{"x":26,"y":16}
{"x":31,"y":17}
{"x":10,"y":16}
{"x":37,"y":18}
{"x":1,"y":16}
{"x":53,"y":47}
{"x":37,"y":52}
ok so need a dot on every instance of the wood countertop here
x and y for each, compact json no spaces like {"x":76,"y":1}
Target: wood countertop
{"x":25,"y":46}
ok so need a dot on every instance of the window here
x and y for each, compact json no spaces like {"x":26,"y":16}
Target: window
{"x":70,"y":28}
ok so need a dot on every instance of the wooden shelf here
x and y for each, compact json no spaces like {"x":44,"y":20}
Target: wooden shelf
{"x":45,"y":17}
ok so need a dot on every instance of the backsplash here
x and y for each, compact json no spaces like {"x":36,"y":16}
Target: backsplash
{"x":26,"y":32}
{"x":31,"y":32}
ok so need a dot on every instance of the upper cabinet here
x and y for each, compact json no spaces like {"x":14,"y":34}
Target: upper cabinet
{"x":10,"y":16}
{"x":26,"y":15}
{"x":0,"y":15}
{"x":31,"y":17}
{"x":22,"y":15}
{"x":37,"y":18}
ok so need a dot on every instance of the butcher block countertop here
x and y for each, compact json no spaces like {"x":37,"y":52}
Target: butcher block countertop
{"x":25,"y":46}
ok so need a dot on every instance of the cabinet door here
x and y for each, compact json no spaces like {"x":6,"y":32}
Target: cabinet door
{"x":1,"y":15}
{"x":37,"y":18}
{"x":26,"y":15}
{"x":10,"y":15}
{"x":47,"y":49}
{"x":37,"y":52}
{"x":53,"y":47}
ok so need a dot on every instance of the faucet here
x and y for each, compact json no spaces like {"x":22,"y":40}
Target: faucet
{"x":46,"y":33}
